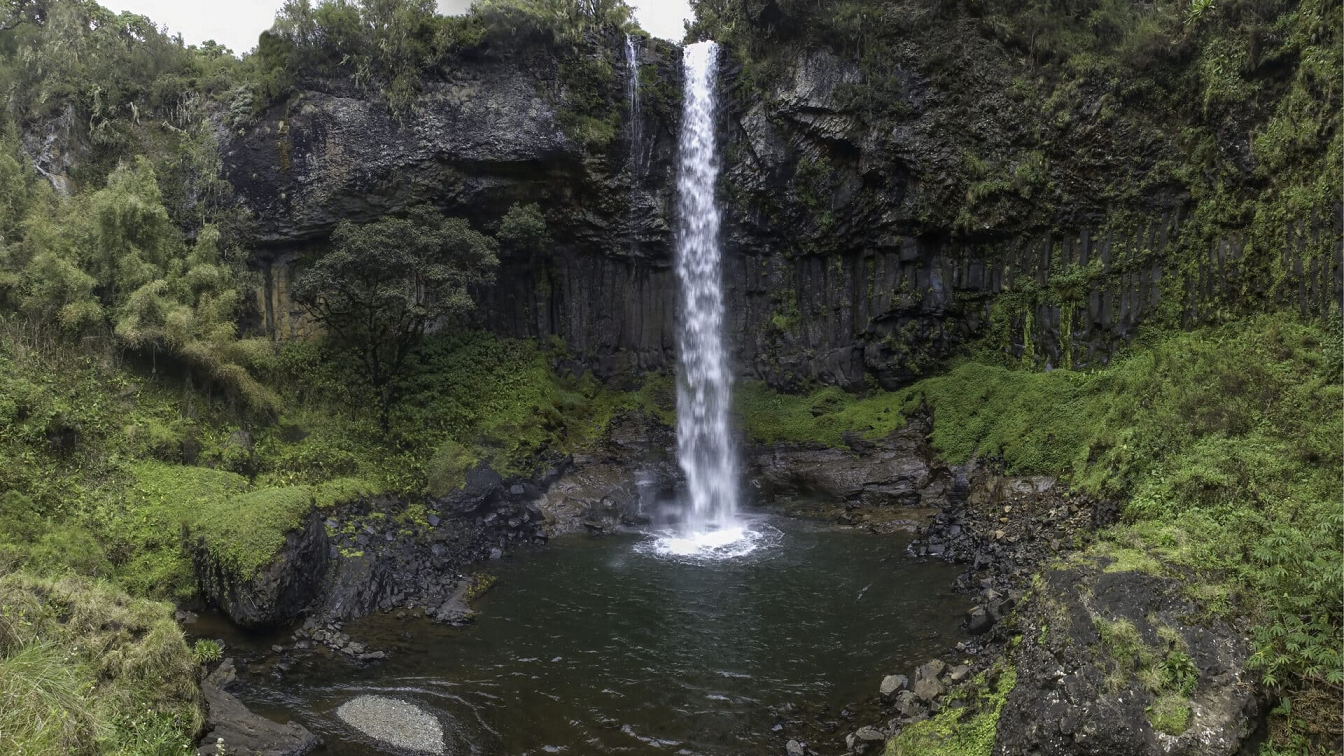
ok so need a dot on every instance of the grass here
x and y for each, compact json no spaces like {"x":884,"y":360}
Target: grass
{"x":84,"y":669}
{"x":1170,"y":713}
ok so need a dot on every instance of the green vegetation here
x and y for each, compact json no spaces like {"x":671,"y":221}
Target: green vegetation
{"x":136,"y":421}
{"x":84,"y":669}
{"x":389,"y":46}
{"x":966,"y":731}
{"x":1225,"y":442}
{"x":386,"y":281}
{"x":207,"y":651}
{"x":1170,"y":713}
{"x":480,"y":584}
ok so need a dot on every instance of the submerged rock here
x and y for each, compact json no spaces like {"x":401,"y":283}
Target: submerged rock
{"x":398,"y":723}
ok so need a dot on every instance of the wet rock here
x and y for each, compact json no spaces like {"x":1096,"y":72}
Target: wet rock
{"x":892,"y":473}
{"x":978,"y":620}
{"x":907,"y":703}
{"x":870,"y":735}
{"x":242,"y":731}
{"x":891,"y":684}
{"x":1064,"y":705}
{"x":482,"y":484}
{"x":930,"y":671}
{"x":593,"y":496}
{"x":927,"y":690}
{"x":794,"y":748}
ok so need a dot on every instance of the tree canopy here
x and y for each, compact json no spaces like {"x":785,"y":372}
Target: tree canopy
{"x":386,"y":281}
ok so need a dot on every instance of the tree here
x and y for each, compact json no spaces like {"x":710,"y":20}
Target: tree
{"x":523,"y":229}
{"x":386,"y":281}
{"x":15,"y":12}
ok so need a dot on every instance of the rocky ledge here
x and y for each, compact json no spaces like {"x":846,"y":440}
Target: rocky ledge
{"x":232,"y":729}
{"x":1108,"y":657}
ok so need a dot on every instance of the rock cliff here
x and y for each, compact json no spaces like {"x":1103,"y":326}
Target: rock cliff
{"x":848,"y":255}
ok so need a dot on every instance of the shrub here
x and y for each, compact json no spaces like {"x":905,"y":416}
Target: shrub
{"x":207,"y":651}
{"x":447,"y":470}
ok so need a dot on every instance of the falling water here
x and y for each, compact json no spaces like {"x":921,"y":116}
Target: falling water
{"x":705,"y":450}
{"x":632,"y":93}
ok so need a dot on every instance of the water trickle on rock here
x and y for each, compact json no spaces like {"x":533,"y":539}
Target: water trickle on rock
{"x":636,"y":118}
{"x":705,"y":450}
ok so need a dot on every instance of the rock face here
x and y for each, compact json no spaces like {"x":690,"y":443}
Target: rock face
{"x":616,"y":485}
{"x":359,"y":558}
{"x":842,"y":263}
{"x":239,"y":731}
{"x":899,"y":470}
{"x":277,"y":593}
{"x":1079,"y":691}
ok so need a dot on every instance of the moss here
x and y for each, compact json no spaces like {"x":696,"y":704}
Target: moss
{"x":242,"y":528}
{"x":823,"y":416}
{"x":1170,"y":713}
{"x":479,"y":584}
{"x":967,"y":731}
{"x":1129,"y":655}
{"x":158,"y":503}
{"x":1121,"y":559}
{"x":246,"y":531}
{"x":586,"y":107}
{"x":342,"y":491}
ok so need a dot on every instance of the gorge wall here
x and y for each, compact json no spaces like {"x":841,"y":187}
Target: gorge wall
{"x":850,"y":253}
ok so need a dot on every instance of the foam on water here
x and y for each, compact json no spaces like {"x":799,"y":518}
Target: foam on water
{"x":732,"y":542}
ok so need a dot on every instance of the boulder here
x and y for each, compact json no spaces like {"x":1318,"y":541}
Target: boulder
{"x":930,"y":671}
{"x":870,"y":735}
{"x":396,"y":722}
{"x":277,"y":593}
{"x":1064,"y":704}
{"x":907,"y":703}
{"x":927,"y":690}
{"x":891,"y":684}
{"x":482,"y":484}
{"x":978,"y":620}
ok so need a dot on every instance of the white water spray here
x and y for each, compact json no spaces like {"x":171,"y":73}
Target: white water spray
{"x":710,"y":526}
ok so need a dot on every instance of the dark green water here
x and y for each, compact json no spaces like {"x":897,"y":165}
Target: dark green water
{"x":590,"y":646}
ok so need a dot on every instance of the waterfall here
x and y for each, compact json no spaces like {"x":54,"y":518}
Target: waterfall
{"x":704,"y":387}
{"x":636,"y":119}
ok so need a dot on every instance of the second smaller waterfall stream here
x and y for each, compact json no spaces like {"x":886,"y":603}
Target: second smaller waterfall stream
{"x":636,"y":118}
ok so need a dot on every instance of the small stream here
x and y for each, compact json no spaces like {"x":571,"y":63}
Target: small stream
{"x":598,"y":645}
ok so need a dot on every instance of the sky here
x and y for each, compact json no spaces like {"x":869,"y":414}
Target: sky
{"x":237,"y":23}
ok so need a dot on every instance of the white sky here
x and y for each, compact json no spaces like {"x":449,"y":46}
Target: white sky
{"x":237,"y":23}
